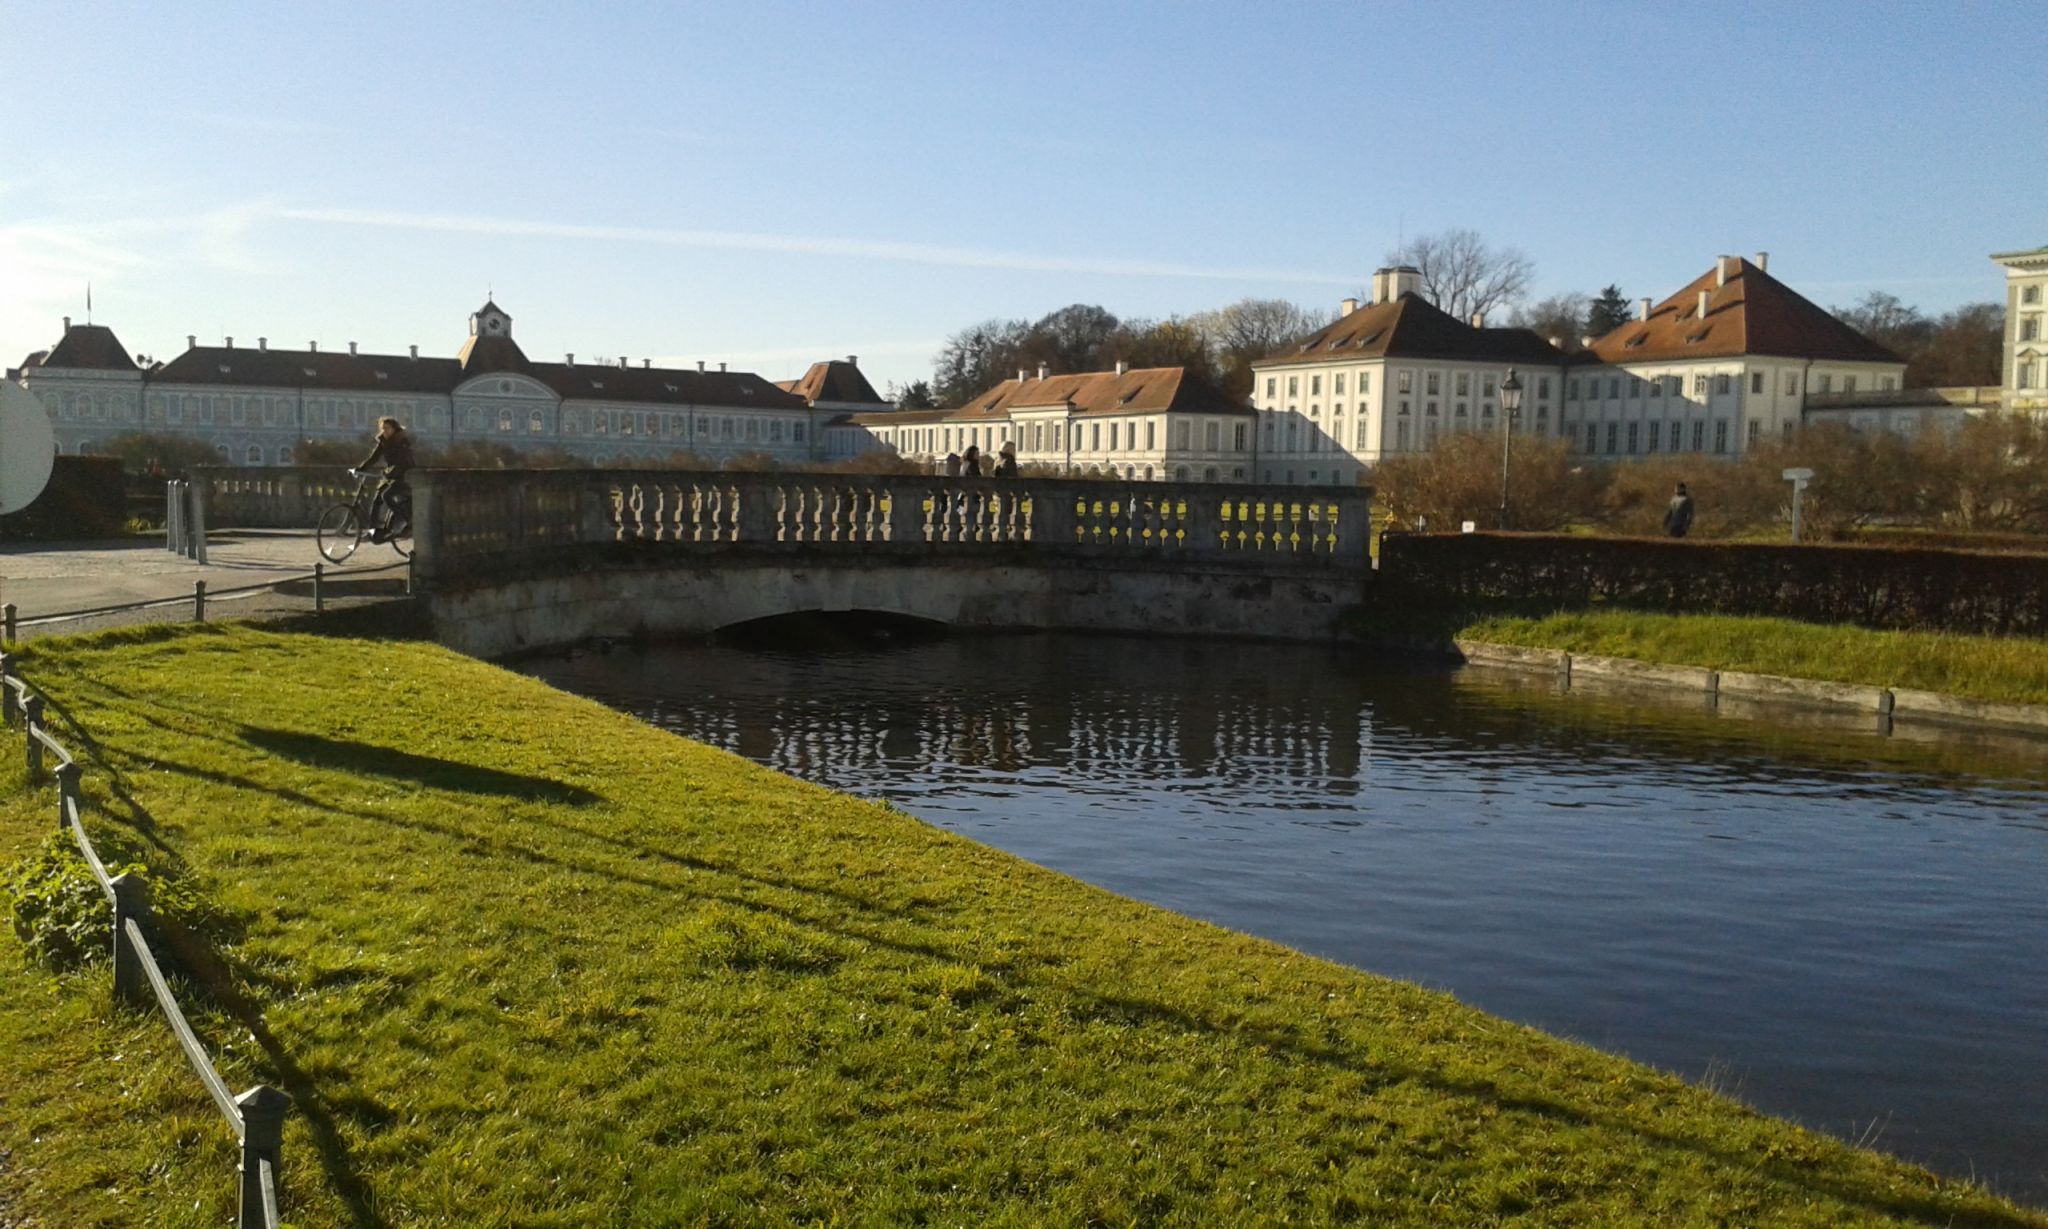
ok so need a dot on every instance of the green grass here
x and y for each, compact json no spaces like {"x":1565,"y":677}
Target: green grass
{"x":1977,"y":667}
{"x":524,"y":961}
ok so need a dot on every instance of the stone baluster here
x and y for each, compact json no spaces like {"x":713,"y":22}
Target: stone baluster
{"x":758,"y":506}
{"x":907,"y":512}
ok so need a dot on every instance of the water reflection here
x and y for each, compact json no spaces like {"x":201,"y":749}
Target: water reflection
{"x":1844,"y":926}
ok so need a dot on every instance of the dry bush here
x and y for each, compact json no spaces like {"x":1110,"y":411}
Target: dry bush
{"x":1459,"y":480}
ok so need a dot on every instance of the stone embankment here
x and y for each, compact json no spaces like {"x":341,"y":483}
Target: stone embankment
{"x":1897,"y":703}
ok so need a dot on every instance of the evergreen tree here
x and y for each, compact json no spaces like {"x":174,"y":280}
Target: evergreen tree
{"x":1607,"y":312}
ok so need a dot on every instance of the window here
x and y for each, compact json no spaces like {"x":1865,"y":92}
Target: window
{"x":1315,"y":386}
{"x":1827,"y":383}
{"x":1406,"y":381}
{"x":1655,"y":429}
{"x":255,"y":454}
{"x":796,"y":433}
{"x":2030,"y":294}
{"x":1361,"y":433}
{"x":1337,"y":384}
{"x":1459,"y":409}
{"x":1614,"y":388}
{"x":1429,"y":408}
{"x":1212,"y":436}
{"x":1209,"y":474}
{"x":1403,"y":410}
{"x":1888,"y":383}
{"x":1151,"y":431}
{"x":1486,"y":385}
{"x":1699,"y":436}
{"x":1271,"y":382}
{"x":628,"y":421}
{"x":1543,"y":388}
{"x":601,"y":422}
{"x":1237,"y":437}
{"x":1464,"y":384}
{"x":2023,"y":376}
{"x":1721,"y":435}
{"x":1095,"y":437}
{"x":1112,"y":436}
{"x":1721,"y":385}
{"x":1635,"y":387}
{"x":1633,"y":428}
{"x":1400,"y":436}
{"x":1756,"y":381}
{"x":1180,"y":436}
{"x":1613,"y":437}
{"x":1364,"y":383}
{"x":775,"y":432}
{"x":1699,"y":385}
{"x":1433,"y":382}
{"x":535,"y":423}
{"x":1756,"y":430}
{"x":1571,"y":390}
{"x":1293,"y":385}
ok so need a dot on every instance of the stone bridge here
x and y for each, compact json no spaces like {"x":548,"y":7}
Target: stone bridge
{"x":516,"y":560}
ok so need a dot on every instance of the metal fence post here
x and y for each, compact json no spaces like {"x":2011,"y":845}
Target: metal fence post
{"x":131,"y":900}
{"x":319,"y":600}
{"x":171,"y":526}
{"x":263,"y":1110}
{"x":34,"y":709}
{"x":6,"y":692}
{"x":198,"y":513}
{"x":8,"y":612}
{"x":67,"y":793}
{"x":199,"y":601}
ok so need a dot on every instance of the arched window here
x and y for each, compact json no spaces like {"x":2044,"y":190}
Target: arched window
{"x":535,"y":423}
{"x":222,"y":449}
{"x":1209,"y":474}
{"x":504,"y":420}
{"x":1148,"y":473}
{"x":284,"y":456}
{"x":1180,"y":473}
{"x":254,"y":454}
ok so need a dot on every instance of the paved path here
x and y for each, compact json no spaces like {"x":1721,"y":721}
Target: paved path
{"x":45,"y":579}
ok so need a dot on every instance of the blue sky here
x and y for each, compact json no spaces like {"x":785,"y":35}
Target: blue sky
{"x":766,"y":184}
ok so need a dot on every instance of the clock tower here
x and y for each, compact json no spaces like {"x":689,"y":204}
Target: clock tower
{"x":490,"y":320}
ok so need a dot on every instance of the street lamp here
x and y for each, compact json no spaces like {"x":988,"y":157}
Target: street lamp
{"x":1510,"y":405}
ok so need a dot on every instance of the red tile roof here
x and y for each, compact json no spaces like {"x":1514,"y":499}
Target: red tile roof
{"x":1142,"y":390}
{"x":1749,"y":313}
{"x":1412,"y":327}
{"x":836,"y":380}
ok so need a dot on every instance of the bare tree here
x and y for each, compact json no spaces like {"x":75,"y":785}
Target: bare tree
{"x":1558,"y":316}
{"x":1248,"y":330}
{"x":1462,"y":274}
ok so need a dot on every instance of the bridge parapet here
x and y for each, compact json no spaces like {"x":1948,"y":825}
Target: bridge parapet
{"x":482,"y":522}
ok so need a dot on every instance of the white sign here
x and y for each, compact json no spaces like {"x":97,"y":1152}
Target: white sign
{"x":27,"y":447}
{"x":1471,"y":526}
{"x":1800,"y":476}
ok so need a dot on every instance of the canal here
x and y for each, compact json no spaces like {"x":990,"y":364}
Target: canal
{"x":1834,"y":925}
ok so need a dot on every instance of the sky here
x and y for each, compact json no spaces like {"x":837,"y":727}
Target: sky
{"x":768,"y":184}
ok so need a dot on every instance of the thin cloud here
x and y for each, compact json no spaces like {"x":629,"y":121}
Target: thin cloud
{"x":803,"y":245}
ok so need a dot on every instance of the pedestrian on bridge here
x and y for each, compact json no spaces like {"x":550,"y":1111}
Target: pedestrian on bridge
{"x":970,"y":462}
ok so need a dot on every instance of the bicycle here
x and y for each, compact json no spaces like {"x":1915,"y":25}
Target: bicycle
{"x":343,"y":527}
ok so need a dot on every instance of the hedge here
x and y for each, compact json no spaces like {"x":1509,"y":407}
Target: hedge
{"x":86,"y":498}
{"x":1871,"y":586}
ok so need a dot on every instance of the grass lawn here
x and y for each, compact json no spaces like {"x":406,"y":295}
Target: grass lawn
{"x":1978,"y":667}
{"x":524,"y":961}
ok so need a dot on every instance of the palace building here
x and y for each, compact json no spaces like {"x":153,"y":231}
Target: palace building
{"x":260,"y":405}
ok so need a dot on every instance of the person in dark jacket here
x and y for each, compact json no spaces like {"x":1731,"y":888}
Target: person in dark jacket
{"x":970,"y":462}
{"x":1678,"y":517}
{"x":394,"y":496}
{"x":1007,"y":466}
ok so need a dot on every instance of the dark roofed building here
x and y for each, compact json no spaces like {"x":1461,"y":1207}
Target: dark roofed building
{"x":836,"y":383}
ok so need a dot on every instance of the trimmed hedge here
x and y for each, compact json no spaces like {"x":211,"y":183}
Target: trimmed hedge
{"x":1870,"y":586}
{"x":87,"y":498}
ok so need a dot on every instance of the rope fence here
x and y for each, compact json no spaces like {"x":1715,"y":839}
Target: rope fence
{"x":11,"y":620}
{"x":257,"y":1116}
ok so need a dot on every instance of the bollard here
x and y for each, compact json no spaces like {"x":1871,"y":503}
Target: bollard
{"x":34,"y":709}
{"x":131,"y":900}
{"x":263,"y":1110}
{"x":196,"y":514}
{"x":7,"y":613}
{"x":6,"y":692}
{"x":67,"y":793}
{"x":199,"y":601}
{"x":319,"y":601}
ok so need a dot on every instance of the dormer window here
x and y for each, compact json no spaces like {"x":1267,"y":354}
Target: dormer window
{"x":309,"y":371}
{"x":223,"y":368}
{"x":383,"y":375}
{"x":669,"y":387}
{"x":1698,"y":337}
{"x":597,"y":384}
{"x":1638,"y":339}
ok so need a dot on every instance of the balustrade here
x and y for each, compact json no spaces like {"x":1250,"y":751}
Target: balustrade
{"x":469,"y":519}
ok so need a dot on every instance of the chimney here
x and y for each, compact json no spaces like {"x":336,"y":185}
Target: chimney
{"x":1703,"y":303}
{"x":312,"y":347}
{"x":1122,"y":366}
{"x":853,"y":360}
{"x":569,"y":359}
{"x":263,"y":343}
{"x":721,"y":366}
{"x":230,"y":342}
{"x":191,"y":341}
{"x":1041,"y":371}
{"x":1763,"y":262}
{"x":1022,"y":375}
{"x":646,"y":363}
{"x":1350,"y":305}
{"x":1478,"y":320}
{"x":1722,"y":265}
{"x":67,"y":324}
{"x":700,"y":364}
{"x":1643,"y":308}
{"x":351,"y":348}
{"x":1404,"y":279}
{"x":414,"y":350}
{"x":622,"y":362}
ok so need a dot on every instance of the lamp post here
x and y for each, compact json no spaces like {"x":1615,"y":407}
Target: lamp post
{"x":1510,"y":405}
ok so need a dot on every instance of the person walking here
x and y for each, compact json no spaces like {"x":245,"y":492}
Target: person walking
{"x":1007,"y":466}
{"x":1678,"y":516}
{"x":970,"y":462}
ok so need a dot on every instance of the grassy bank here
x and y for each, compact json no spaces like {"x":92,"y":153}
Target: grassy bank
{"x":523,"y":961}
{"x":1978,"y":667}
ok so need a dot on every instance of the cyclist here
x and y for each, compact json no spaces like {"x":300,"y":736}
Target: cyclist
{"x":394,"y":496}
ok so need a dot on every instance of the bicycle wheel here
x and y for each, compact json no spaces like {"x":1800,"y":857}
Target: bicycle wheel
{"x":340,"y":531}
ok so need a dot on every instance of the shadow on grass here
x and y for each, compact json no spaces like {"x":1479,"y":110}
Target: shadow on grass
{"x":426,"y":770}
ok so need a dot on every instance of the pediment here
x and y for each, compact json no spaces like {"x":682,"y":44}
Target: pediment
{"x":503,"y":385}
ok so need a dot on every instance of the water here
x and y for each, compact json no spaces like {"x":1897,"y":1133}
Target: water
{"x":1839,"y":927}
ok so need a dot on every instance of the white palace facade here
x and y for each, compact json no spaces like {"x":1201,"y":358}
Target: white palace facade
{"x":260,"y":406}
